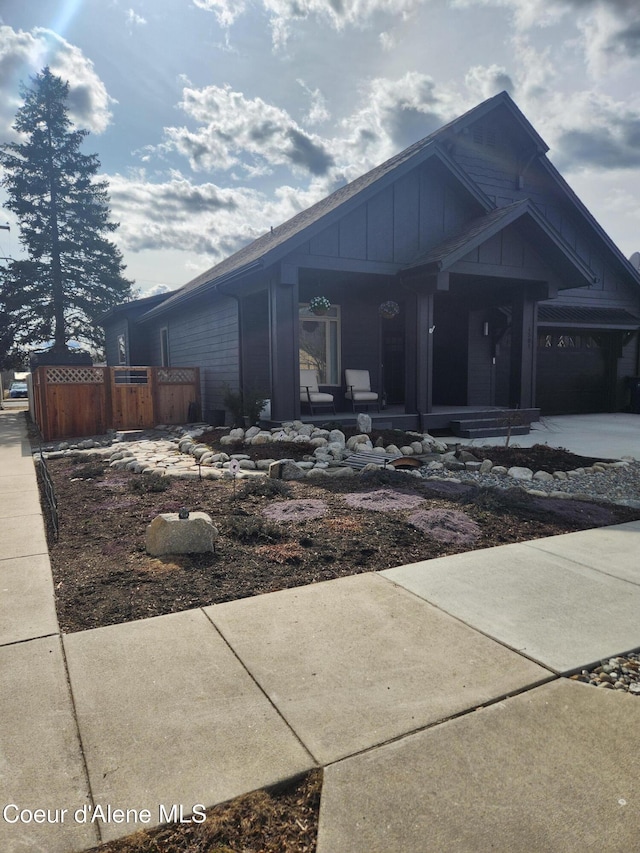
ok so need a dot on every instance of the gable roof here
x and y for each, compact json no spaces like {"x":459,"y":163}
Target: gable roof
{"x":283,"y":239}
{"x":481,"y":229}
{"x":277,"y":242}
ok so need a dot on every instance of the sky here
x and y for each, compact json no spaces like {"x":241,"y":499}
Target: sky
{"x":214,"y":120}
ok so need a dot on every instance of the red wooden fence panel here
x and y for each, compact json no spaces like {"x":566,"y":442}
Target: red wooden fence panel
{"x":77,"y":401}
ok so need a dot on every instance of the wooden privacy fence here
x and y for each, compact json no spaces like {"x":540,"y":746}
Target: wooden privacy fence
{"x":76,"y":401}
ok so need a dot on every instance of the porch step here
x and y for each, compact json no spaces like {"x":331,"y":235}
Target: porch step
{"x":486,"y":427}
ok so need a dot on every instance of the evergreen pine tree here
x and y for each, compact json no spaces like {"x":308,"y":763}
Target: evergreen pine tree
{"x":73,"y":273}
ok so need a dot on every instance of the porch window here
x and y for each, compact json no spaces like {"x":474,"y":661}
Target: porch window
{"x":320,"y":343}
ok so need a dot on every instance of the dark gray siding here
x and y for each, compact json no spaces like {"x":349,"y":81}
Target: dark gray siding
{"x":205,"y":336}
{"x":399,"y":223}
{"x":112,"y":331}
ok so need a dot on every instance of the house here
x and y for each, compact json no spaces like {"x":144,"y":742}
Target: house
{"x":510,"y":293}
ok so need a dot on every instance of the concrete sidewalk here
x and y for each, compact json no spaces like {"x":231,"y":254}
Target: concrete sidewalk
{"x":602,"y":436}
{"x":432,"y":694}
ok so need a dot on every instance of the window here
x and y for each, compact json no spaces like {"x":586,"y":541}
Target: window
{"x":164,"y":347}
{"x":320,"y":344}
{"x":122,"y":349}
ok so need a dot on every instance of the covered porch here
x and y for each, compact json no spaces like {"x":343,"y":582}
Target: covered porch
{"x":463,"y":334}
{"x":463,"y":421}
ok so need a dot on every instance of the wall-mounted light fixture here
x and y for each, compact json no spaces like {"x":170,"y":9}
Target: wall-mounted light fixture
{"x":485,"y":329}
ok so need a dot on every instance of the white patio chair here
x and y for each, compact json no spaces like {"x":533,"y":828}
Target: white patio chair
{"x":359,"y":391}
{"x":311,"y":394}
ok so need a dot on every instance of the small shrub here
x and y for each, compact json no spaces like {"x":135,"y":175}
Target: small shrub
{"x":90,"y":471}
{"x":146,"y":483}
{"x":500,"y":500}
{"x":264,"y":487}
{"x":249,"y":530}
{"x":383,"y":477}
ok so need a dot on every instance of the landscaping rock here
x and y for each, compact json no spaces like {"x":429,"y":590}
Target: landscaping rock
{"x":518,"y":473}
{"x":169,"y":534}
{"x":336,"y":436}
{"x":364,"y":422}
{"x":285,"y":469}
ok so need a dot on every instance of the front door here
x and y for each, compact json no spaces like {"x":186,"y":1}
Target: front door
{"x":393,"y":359}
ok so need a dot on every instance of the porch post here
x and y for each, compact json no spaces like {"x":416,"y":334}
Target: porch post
{"x":522,"y":379}
{"x":424,"y":353}
{"x":283,"y":344}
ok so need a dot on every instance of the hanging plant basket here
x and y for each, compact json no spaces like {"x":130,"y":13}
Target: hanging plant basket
{"x":389,"y":310}
{"x":319,"y":305}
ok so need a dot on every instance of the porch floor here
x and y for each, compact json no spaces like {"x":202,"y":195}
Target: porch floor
{"x":441,"y":418}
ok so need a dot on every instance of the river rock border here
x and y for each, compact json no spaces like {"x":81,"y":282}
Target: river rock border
{"x":176,"y":452}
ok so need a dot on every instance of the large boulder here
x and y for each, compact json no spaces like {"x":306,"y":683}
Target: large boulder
{"x":170,"y":534}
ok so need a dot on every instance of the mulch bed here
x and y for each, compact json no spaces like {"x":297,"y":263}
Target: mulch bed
{"x":268,"y":542}
{"x":104,"y":576}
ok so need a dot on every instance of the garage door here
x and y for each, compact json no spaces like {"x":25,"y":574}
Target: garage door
{"x":571,"y":372}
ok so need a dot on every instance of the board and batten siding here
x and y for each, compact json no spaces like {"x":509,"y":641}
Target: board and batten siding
{"x":204,"y":337}
{"x":399,"y":223}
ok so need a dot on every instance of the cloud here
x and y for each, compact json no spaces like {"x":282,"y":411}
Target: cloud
{"x":595,"y":131}
{"x":485,"y":81}
{"x":318,"y":111}
{"x":204,"y":223}
{"x":226,"y":11}
{"x":283,"y":14}
{"x":24,"y":54}
{"x":396,"y":113}
{"x":134,"y":20}
{"x":610,"y":29}
{"x":235,"y":131}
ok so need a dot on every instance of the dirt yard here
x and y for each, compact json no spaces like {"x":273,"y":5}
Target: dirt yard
{"x":274,"y":535}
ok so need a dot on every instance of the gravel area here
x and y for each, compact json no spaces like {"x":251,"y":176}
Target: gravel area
{"x":617,"y":482}
{"x":619,"y":673}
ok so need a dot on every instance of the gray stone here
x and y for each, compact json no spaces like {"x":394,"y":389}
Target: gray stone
{"x":336,"y":436}
{"x":519,"y":473}
{"x":285,"y":469}
{"x":169,"y":534}
{"x":364,"y":422}
{"x":543,"y":475}
{"x":485,"y":466}
{"x":356,"y":440}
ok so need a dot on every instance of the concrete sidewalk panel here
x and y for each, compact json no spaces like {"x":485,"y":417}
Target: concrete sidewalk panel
{"x":555,"y":611}
{"x":41,"y":763}
{"x":613,"y":550}
{"x":354,"y":662}
{"x":552,"y":769}
{"x":19,"y":503}
{"x":27,"y":604}
{"x":168,"y":715}
{"x":23,"y":536}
